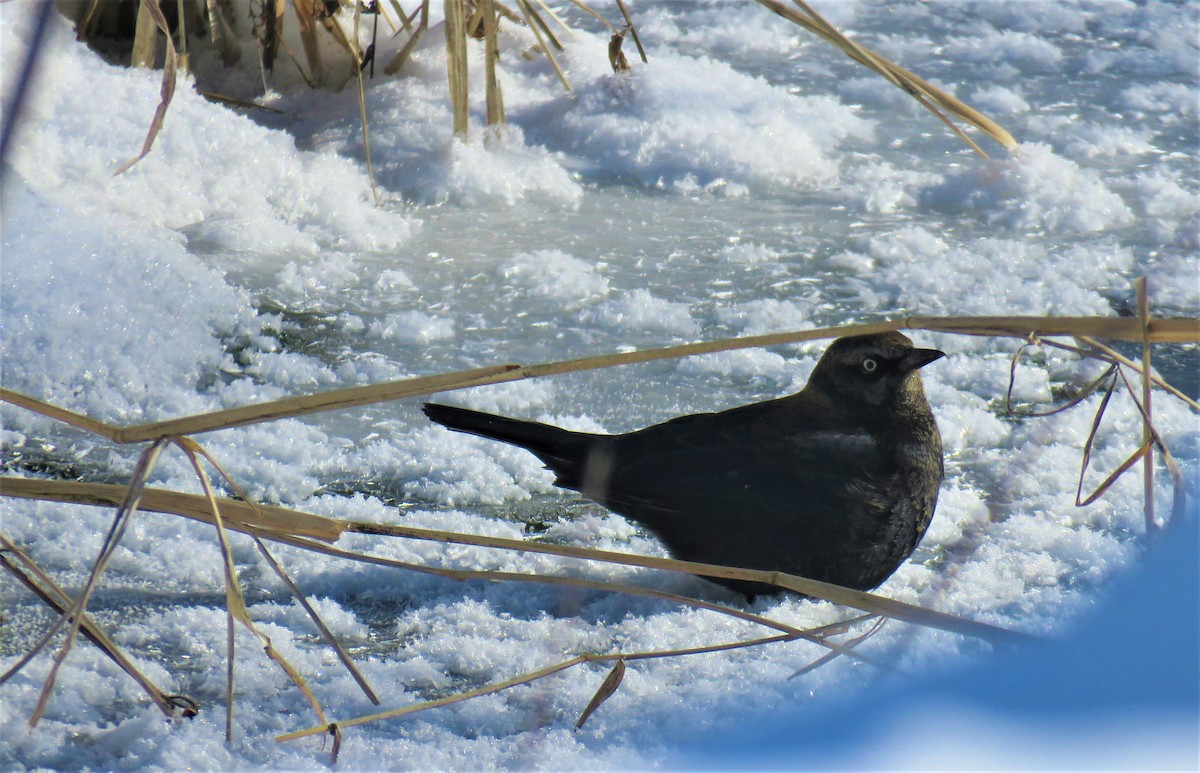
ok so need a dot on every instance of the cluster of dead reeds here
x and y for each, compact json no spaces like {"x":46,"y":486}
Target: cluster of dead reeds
{"x":264,"y":524}
{"x":342,"y":22}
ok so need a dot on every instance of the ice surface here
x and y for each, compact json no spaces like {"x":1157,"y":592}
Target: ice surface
{"x":747,"y":180}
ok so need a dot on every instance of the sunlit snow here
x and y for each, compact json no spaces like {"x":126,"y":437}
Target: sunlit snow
{"x":748,"y":179}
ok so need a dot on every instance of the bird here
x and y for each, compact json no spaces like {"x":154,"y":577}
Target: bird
{"x":837,"y":482}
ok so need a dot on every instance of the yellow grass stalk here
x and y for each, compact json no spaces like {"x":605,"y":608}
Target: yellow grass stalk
{"x":166,"y":501}
{"x":1119,"y":328}
{"x":145,"y":38}
{"x":402,"y":56}
{"x":541,"y":673}
{"x":235,"y":602}
{"x":1112,"y":355}
{"x":508,"y":13}
{"x":74,"y":615}
{"x":1152,"y":440}
{"x":557,"y":19}
{"x":1142,"y":295}
{"x":305,"y":10}
{"x":314,"y":403}
{"x":538,"y":27}
{"x":166,"y":92}
{"x":850,"y":645}
{"x":58,"y":414}
{"x":606,"y":690}
{"x":362,"y":107}
{"x":542,"y":25}
{"x":330,"y":639}
{"x":836,"y":594}
{"x":491,"y":27}
{"x":242,"y":516}
{"x":637,"y":41}
{"x":1115,"y":371}
{"x":323,"y":629}
{"x":456,"y":63}
{"x":405,"y":19}
{"x":44,"y":587}
{"x":184,"y":9}
{"x":924,"y":92}
{"x":1115,"y":328}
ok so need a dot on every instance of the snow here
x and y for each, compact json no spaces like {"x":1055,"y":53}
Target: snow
{"x":747,"y":180}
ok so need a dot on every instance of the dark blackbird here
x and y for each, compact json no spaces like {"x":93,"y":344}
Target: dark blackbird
{"x":836,"y":483}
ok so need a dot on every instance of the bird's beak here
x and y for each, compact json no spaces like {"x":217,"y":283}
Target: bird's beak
{"x":919,"y":358}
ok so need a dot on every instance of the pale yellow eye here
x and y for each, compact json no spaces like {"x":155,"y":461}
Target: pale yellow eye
{"x":869,"y":365}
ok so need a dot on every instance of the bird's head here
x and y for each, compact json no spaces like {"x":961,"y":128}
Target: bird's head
{"x":873,"y":371}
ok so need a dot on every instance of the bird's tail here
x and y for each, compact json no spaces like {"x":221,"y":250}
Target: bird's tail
{"x":563,"y":451}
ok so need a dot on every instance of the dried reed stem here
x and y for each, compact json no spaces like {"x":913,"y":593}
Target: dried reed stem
{"x":535,"y":23}
{"x":491,"y":28}
{"x":74,"y":615}
{"x":629,"y":25}
{"x":923,"y":91}
{"x":166,"y":91}
{"x":235,"y":602}
{"x":145,"y":38}
{"x":541,"y":673}
{"x":410,"y":45}
{"x":1118,"y":328}
{"x":308,"y":38}
{"x":326,"y":634}
{"x":184,"y":504}
{"x":1143,"y":308}
{"x":456,"y":63}
{"x":241,"y":516}
{"x":44,"y":587}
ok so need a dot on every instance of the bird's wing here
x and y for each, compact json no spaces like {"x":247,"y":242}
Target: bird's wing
{"x":735,"y":471}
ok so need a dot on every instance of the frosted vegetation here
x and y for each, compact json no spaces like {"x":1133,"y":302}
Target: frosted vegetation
{"x":749,"y":179}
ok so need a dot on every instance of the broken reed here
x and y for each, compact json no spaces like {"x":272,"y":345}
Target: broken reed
{"x":298,"y":528}
{"x":1115,"y":328}
{"x":929,"y":96}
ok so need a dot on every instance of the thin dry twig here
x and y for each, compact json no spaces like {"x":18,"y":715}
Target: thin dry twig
{"x":167,"y":91}
{"x":632,"y":28}
{"x":1151,"y":438}
{"x":1108,"y":375}
{"x":1141,"y":292}
{"x":393,"y":66}
{"x":847,"y":647}
{"x":235,"y":602}
{"x":79,"y":492}
{"x":73,"y":617}
{"x":1155,"y":440}
{"x":928,"y":95}
{"x":1117,"y":328}
{"x":539,"y":27}
{"x":529,"y":677}
{"x":43,"y":586}
{"x":323,"y":629}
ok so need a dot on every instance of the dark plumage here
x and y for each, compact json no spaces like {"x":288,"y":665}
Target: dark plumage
{"x":837,"y":482}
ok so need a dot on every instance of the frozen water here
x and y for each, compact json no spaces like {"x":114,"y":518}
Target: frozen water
{"x":747,"y":180}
